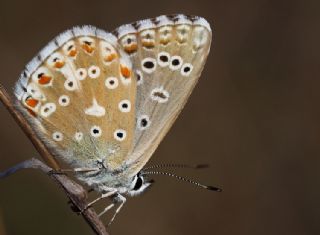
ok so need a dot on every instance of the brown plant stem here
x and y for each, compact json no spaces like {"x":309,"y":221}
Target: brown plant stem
{"x":73,"y":190}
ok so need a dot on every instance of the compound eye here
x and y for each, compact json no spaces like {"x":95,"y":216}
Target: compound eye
{"x":138,"y":184}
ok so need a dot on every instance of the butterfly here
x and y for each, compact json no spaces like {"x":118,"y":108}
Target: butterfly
{"x":102,"y":102}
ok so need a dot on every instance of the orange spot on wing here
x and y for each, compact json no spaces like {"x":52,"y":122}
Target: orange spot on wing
{"x":87,"y":48}
{"x":59,"y":64}
{"x":110,"y":57}
{"x":32,"y":102}
{"x":148,"y":44}
{"x":43,"y":80}
{"x":164,"y":41}
{"x":125,"y":71}
{"x":131,"y":48}
{"x":73,"y":53}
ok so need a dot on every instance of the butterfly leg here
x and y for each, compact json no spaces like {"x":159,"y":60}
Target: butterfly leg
{"x":106,"y":209}
{"x":119,"y":199}
{"x":104,"y":195}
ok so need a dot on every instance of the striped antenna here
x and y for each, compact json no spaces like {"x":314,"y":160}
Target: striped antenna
{"x":212,"y":188}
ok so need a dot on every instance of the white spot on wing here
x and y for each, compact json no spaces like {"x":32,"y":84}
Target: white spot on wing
{"x":186,"y":69}
{"x":70,"y":85}
{"x":81,"y":73}
{"x":148,"y":38}
{"x":111,"y":82}
{"x":143,"y":122}
{"x":95,"y":109}
{"x":35,"y":92}
{"x":47,"y":109}
{"x":149,"y":65}
{"x":108,"y":52}
{"x":160,"y":95}
{"x":57,"y":136}
{"x":124,"y":106}
{"x":182,"y":32}
{"x":64,"y":100}
{"x":94,"y":71}
{"x":163,"y":59}
{"x":120,"y":134}
{"x":54,"y":59}
{"x":96,"y":131}
{"x":175,"y":63}
{"x":165,"y":34}
{"x":78,"y":136}
{"x":69,"y":49}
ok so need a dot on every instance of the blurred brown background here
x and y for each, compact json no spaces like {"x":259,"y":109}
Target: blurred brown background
{"x":254,"y":117}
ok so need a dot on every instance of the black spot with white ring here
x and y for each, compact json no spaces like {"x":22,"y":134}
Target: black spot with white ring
{"x":163,"y":59}
{"x":96,"y":131}
{"x":64,"y":100}
{"x":186,"y":69}
{"x":111,"y":82}
{"x":57,"y":136}
{"x":160,"y":95}
{"x":124,"y":106}
{"x":69,"y":85}
{"x":120,"y":134}
{"x":175,"y":62}
{"x":143,"y":122}
{"x":47,"y":109}
{"x":81,"y":73}
{"x":94,"y":71}
{"x":148,"y":65}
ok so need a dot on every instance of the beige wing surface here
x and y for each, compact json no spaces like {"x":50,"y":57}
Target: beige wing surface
{"x":79,"y":96}
{"x":168,"y":54}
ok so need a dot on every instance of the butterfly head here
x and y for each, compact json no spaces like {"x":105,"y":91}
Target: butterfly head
{"x":139,"y":184}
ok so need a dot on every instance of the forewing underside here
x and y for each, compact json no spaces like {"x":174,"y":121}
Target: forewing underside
{"x":79,"y":96}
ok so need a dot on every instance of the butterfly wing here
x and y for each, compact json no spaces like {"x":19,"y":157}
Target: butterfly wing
{"x":78,"y":95}
{"x":93,"y":97}
{"x":168,"y":54}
